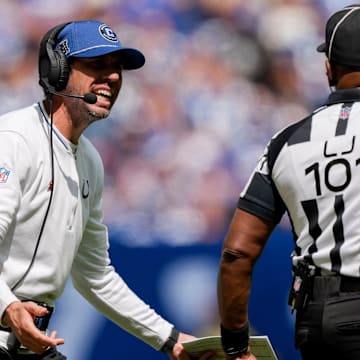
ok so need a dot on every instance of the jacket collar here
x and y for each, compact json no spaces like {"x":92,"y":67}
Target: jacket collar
{"x":343,"y":96}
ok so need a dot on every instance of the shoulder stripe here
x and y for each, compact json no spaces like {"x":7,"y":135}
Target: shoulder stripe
{"x":293,"y":134}
{"x":343,"y":118}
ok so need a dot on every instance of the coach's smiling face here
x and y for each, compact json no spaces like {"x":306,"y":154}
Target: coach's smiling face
{"x":101,"y":76}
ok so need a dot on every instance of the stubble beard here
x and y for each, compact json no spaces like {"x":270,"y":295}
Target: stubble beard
{"x":97,"y":116}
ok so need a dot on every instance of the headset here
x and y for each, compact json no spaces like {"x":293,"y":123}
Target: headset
{"x":54,"y":68}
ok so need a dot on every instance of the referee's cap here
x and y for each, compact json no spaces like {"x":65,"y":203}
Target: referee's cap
{"x":91,"y":38}
{"x":342,"y":37}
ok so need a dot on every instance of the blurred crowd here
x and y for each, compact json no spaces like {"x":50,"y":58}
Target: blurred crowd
{"x":221,"y":77}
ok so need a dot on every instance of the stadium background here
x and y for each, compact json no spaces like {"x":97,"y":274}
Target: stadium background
{"x":220,"y":78}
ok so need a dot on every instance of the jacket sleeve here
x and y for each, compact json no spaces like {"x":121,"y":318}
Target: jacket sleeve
{"x":14,"y":163}
{"x":96,"y":280}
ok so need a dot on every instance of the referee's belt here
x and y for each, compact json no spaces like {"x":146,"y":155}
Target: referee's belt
{"x":325,"y":286}
{"x":349,"y":284}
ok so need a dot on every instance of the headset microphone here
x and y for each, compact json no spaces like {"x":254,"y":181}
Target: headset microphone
{"x":89,"y":98}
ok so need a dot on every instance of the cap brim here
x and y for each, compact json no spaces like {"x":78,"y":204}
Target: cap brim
{"x":132,"y":58}
{"x":321,"y":47}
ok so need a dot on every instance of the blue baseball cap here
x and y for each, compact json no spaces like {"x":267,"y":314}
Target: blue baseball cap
{"x":91,"y":38}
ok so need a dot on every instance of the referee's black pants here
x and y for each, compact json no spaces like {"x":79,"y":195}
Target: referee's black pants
{"x":329,"y":326}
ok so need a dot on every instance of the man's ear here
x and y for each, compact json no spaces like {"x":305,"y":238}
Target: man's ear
{"x":330,"y":73}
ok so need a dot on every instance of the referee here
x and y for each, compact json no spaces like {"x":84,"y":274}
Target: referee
{"x":311,"y":170}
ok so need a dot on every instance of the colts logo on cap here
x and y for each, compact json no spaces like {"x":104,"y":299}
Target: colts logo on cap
{"x":107,"y":33}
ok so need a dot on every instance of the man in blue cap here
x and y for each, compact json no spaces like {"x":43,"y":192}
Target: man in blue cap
{"x":51,"y":183}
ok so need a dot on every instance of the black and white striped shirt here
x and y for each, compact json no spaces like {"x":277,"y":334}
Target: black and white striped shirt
{"x":311,"y":170}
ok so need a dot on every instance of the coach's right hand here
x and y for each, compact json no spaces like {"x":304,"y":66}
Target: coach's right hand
{"x":20,"y":317}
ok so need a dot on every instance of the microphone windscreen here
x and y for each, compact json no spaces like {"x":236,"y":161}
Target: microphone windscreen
{"x":90,"y":98}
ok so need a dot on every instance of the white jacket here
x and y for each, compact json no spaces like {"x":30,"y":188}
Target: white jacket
{"x":74,"y":240}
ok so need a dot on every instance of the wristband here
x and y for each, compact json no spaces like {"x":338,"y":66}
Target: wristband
{"x":171,"y":341}
{"x":235,"y":342}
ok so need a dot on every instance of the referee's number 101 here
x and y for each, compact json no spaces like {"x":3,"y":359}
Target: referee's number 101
{"x":339,"y":164}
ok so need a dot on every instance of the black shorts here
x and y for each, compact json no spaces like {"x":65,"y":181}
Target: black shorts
{"x":329,"y":327}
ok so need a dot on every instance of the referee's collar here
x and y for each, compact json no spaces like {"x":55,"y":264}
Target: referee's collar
{"x":343,"y":96}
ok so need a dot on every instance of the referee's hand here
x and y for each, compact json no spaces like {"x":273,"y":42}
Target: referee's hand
{"x":20,"y":317}
{"x":247,"y":356}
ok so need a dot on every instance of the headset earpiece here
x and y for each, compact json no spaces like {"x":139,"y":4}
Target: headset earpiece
{"x":54,"y":69}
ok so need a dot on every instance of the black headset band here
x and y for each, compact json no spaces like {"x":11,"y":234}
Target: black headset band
{"x":54,"y":68}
